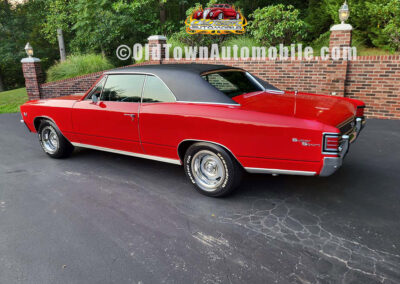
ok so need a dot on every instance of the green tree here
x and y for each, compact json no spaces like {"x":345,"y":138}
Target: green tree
{"x":385,"y":31}
{"x":277,"y":24}
{"x":20,"y":24}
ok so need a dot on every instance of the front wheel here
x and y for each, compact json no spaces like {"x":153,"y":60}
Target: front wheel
{"x":52,"y":141}
{"x":220,"y":16}
{"x":211,"y":169}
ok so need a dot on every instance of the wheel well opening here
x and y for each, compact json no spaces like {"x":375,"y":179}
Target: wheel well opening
{"x":182,"y":148}
{"x":37,"y":121}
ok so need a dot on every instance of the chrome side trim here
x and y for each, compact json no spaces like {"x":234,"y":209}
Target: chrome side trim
{"x":275,"y":92}
{"x":222,"y":70}
{"x":144,"y":156}
{"x":207,"y":103}
{"x":279,"y":172}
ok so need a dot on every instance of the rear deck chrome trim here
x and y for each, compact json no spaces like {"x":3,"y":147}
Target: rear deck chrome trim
{"x":279,"y":172}
{"x":137,"y":155}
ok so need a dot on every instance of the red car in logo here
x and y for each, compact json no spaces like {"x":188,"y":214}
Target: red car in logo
{"x":218,"y":12}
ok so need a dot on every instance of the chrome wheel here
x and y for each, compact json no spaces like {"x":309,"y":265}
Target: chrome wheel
{"x":221,"y":16}
{"x":50,"y":140}
{"x":208,"y":170}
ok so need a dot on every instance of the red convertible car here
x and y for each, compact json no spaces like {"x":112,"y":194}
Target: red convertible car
{"x":216,"y":121}
{"x":217,"y":12}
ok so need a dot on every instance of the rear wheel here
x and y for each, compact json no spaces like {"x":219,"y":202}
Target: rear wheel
{"x":212,"y":170}
{"x":52,"y":141}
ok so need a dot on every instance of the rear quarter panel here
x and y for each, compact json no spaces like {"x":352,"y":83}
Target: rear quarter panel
{"x":247,"y":134}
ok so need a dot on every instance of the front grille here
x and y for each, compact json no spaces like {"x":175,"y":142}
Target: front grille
{"x":347,"y":127}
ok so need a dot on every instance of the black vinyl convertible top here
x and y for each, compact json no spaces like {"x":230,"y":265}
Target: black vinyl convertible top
{"x":184,"y":80}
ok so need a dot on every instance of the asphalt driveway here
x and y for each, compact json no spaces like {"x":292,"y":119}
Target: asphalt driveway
{"x":104,"y":218}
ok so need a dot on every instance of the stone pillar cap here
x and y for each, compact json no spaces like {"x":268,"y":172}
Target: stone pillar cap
{"x":30,"y":60}
{"x":157,"y":37}
{"x":342,"y":27}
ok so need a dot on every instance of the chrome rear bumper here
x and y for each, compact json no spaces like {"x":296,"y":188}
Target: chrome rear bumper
{"x":332,"y":164}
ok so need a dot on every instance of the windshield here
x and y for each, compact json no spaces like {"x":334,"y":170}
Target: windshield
{"x":235,"y":83}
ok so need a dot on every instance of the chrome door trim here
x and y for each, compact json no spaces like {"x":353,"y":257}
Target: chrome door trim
{"x":279,"y":172}
{"x":144,"y":156}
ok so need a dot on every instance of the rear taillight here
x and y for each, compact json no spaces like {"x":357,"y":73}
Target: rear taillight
{"x":331,"y":143}
{"x":360,"y":111}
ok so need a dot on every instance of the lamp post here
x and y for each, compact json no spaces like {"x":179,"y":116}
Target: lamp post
{"x":344,"y":12}
{"x":33,"y":74}
{"x":29,"y":50}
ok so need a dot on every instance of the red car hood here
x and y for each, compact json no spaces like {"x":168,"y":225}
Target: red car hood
{"x":325,"y":109}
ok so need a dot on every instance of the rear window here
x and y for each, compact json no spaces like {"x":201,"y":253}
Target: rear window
{"x":232,"y":83}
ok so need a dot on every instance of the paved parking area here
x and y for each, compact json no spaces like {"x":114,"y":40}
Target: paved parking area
{"x":104,"y":218}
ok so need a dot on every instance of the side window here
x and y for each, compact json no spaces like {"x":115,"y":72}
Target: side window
{"x":220,"y":82}
{"x":155,"y":91}
{"x":123,"y":88}
{"x":96,"y":89}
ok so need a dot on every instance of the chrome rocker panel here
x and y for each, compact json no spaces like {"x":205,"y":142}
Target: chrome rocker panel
{"x":149,"y":157}
{"x":279,"y":172}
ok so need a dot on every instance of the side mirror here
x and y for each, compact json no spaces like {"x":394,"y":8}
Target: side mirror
{"x":95,"y":99}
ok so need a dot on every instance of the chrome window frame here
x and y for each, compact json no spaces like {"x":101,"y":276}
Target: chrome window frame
{"x":145,"y":74}
{"x":144,"y":86}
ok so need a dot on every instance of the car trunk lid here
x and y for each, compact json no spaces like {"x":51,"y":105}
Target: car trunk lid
{"x":325,"y":109}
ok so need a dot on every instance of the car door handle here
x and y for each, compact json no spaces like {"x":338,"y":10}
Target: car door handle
{"x":132,"y":115}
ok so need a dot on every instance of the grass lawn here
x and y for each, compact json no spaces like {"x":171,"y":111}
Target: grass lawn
{"x":11,"y":100}
{"x":371,"y":51}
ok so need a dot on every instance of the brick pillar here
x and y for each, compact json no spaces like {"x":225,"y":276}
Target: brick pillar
{"x":339,"y":39}
{"x":156,"y":47}
{"x":340,"y":36}
{"x":34,"y":77}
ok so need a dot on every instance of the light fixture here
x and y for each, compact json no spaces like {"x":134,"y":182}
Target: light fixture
{"x":344,"y":12}
{"x":29,"y":50}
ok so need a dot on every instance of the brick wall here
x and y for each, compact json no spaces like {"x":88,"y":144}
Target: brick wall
{"x":376,"y":81}
{"x":69,"y":86}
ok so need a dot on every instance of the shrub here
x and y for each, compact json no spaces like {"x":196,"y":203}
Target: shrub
{"x":386,"y":32}
{"x":77,"y":65}
{"x":175,"y":43}
{"x":242,"y":41}
{"x":277,"y":24}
